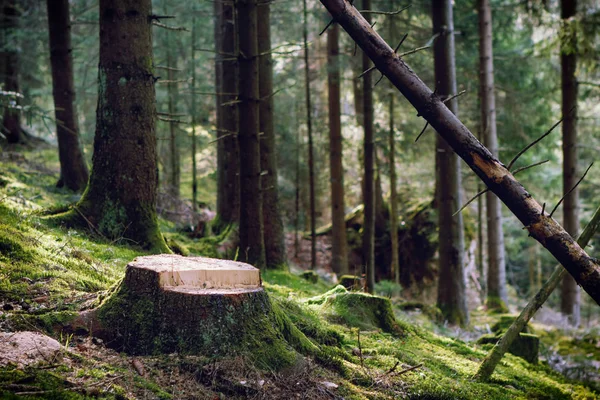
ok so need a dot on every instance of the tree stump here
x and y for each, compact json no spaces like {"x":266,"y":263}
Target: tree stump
{"x":194,"y":305}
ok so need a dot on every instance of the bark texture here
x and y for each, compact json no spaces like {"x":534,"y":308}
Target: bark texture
{"x":252,"y":249}
{"x":452,"y":281}
{"x":497,"y":297}
{"x":487,"y":367}
{"x":272,"y":222}
{"x":570,"y":296}
{"x":73,"y":169}
{"x":585,"y":269}
{"x":339,"y":248}
{"x":369,"y":167}
{"x":311,"y":158}
{"x":120,"y":200}
{"x":228,"y":151}
{"x":9,"y":57}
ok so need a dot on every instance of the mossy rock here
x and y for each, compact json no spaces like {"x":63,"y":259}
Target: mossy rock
{"x":351,"y":282}
{"x":525,"y":345}
{"x":310,"y":276}
{"x":158,"y":311}
{"x":359,"y":310}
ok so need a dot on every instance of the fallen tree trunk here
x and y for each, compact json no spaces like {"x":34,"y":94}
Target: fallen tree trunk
{"x":487,"y":367}
{"x":541,"y":226}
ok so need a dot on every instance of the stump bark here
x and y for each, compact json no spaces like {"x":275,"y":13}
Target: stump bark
{"x":194,"y":305}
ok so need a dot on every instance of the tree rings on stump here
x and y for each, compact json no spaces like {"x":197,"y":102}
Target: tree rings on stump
{"x":193,"y":305}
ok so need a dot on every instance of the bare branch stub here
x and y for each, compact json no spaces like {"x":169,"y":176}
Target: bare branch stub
{"x":570,"y":190}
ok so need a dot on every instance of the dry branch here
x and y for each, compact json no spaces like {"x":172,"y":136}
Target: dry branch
{"x":494,"y":174}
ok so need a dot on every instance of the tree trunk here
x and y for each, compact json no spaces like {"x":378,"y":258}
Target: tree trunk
{"x":228,"y":151}
{"x":486,"y":369}
{"x":369,"y":157}
{"x":452,"y":282}
{"x":497,"y":297}
{"x":570,"y":296}
{"x":120,"y":201}
{"x":252,"y":248}
{"x":395,"y":263}
{"x":194,"y":119}
{"x":273,"y":225}
{"x":11,"y":120}
{"x":339,"y":250}
{"x":174,"y":178}
{"x":311,"y":158}
{"x":585,"y":269}
{"x":73,"y":169}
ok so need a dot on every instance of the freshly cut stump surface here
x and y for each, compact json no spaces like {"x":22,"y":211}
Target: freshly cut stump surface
{"x":193,"y":305}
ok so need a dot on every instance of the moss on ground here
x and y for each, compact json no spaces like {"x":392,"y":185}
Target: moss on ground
{"x":55,"y":271}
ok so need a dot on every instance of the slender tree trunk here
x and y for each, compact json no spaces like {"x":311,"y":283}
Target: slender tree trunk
{"x":497,"y":297}
{"x":311,"y":159}
{"x":228,"y":151}
{"x":297,"y":199}
{"x":194,"y":119}
{"x":339,"y":251}
{"x":9,"y":21}
{"x":175,"y":169}
{"x":498,"y":178}
{"x":273,"y":225}
{"x":73,"y":169}
{"x":395,"y":264}
{"x":570,"y":296}
{"x":452,"y":282}
{"x":252,"y":248}
{"x":486,"y":369}
{"x":369,"y":161}
{"x":120,"y":200}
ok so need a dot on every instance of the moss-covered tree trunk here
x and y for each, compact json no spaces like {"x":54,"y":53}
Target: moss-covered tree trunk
{"x":570,"y":296}
{"x":252,"y":249}
{"x":272,"y":222}
{"x":339,"y":247}
{"x":369,"y":169}
{"x":452,"y":282}
{"x":228,"y":152}
{"x":497,"y":296}
{"x":73,"y":169}
{"x":9,"y":57}
{"x":120,"y":200}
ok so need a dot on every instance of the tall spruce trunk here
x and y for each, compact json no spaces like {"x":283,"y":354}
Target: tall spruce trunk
{"x":339,"y":251}
{"x":311,"y":158}
{"x":174,"y":178}
{"x":9,"y":56}
{"x":194,"y":118}
{"x":451,"y":297}
{"x":369,"y":167}
{"x":73,"y":169}
{"x":570,"y":296}
{"x":252,"y":249}
{"x":395,"y":262}
{"x":498,"y":178}
{"x":120,"y":200}
{"x":497,"y":297}
{"x":272,"y":222}
{"x":228,"y":151}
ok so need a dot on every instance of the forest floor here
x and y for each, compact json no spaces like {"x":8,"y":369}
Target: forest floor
{"x":47,"y":273}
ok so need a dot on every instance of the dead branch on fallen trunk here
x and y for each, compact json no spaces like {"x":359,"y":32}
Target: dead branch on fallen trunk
{"x":585,"y":269}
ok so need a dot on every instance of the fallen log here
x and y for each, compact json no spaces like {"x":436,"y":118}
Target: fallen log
{"x":541,"y":226}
